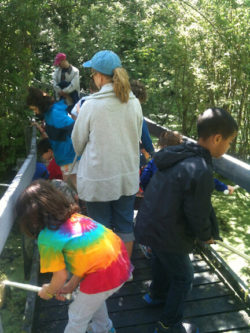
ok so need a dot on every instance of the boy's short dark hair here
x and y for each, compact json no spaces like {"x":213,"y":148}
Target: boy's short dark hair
{"x":139,"y":90}
{"x":216,"y":121}
{"x":43,"y":146}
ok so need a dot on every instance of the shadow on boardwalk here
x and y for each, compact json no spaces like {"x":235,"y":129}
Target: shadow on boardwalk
{"x":211,"y":304}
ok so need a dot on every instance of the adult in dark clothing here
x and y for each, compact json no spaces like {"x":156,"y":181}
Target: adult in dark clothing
{"x":177,"y":211}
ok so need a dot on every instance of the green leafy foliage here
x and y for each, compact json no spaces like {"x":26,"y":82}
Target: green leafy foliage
{"x":11,"y":268}
{"x":190,"y":54}
{"x":233,"y":214}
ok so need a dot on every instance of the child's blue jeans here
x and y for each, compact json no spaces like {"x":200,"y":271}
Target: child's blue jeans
{"x":172,"y":279}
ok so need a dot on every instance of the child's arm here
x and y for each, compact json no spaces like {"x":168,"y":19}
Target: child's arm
{"x":68,"y":288}
{"x":146,"y":139}
{"x":71,"y":285}
{"x":57,"y":282}
{"x":219,"y":186}
{"x":40,"y":129}
{"x":147,"y":173}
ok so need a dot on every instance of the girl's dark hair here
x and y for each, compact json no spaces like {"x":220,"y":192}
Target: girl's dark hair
{"x":139,"y":90}
{"x":169,"y":138}
{"x":41,"y":205}
{"x":43,"y":146}
{"x":37,"y":97}
{"x":216,"y":121}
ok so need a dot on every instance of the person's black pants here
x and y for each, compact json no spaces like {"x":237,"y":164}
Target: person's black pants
{"x":172,"y":278}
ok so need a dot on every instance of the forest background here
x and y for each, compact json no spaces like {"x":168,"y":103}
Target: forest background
{"x":190,"y":54}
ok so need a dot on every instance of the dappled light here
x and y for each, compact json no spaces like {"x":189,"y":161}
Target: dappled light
{"x":233,"y":213}
{"x":190,"y":55}
{"x":12,"y":268}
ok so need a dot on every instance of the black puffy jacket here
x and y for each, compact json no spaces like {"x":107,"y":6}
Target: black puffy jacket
{"x":176,"y":209}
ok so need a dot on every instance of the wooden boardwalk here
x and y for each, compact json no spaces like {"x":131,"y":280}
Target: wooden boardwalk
{"x":212,"y":305}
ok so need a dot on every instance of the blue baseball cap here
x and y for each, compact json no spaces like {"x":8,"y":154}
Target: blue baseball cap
{"x":104,"y":62}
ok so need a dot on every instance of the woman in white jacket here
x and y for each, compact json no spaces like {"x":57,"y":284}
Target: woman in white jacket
{"x":106,"y":135}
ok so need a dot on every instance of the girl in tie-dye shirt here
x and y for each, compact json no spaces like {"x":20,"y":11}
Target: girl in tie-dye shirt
{"x":71,"y":242}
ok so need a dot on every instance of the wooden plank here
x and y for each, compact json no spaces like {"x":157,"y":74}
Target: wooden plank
{"x":225,"y":322}
{"x":44,"y":313}
{"x":144,"y":263}
{"x":209,"y":290}
{"x":135,"y":300}
{"x":141,"y":286}
{"x":225,"y":303}
{"x":52,"y":303}
{"x":56,"y":326}
{"x":149,"y":328}
{"x":226,"y":273}
{"x":135,"y":317}
{"x":148,"y":315}
{"x":200,"y":277}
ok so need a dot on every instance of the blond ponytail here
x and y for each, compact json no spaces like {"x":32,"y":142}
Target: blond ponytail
{"x":121,"y":84}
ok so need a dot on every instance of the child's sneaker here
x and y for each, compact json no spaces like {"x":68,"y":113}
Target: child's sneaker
{"x":112,"y":330}
{"x":181,"y":328}
{"x":190,"y":328}
{"x":146,"y":251}
{"x":131,"y":277}
{"x":153,"y":301}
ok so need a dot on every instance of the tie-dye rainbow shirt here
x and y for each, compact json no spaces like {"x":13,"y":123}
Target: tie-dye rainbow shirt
{"x":87,"y":249}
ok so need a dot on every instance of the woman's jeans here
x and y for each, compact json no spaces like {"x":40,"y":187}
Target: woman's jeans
{"x":172,"y":280}
{"x":116,"y":215}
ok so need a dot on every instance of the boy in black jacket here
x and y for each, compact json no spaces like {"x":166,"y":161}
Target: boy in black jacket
{"x":177,"y":211}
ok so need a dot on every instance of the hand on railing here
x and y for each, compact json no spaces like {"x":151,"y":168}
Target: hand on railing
{"x":230,"y":189}
{"x":41,"y":129}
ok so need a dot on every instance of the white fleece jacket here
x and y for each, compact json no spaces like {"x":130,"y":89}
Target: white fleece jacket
{"x":72,"y":76}
{"x":106,"y":135}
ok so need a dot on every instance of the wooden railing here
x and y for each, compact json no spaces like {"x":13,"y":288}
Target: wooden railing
{"x":227,"y":166}
{"x":21,"y":180}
